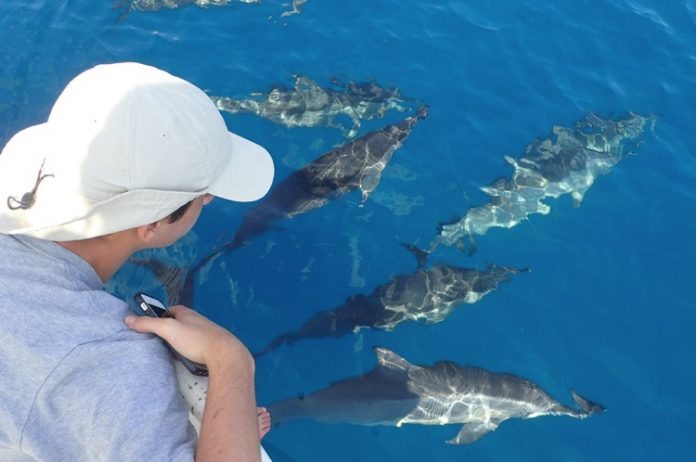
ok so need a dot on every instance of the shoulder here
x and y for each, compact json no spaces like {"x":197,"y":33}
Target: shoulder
{"x":121,"y":396}
{"x":124,"y":356}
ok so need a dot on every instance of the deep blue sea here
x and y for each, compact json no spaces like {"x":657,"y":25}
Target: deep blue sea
{"x":608,"y":308}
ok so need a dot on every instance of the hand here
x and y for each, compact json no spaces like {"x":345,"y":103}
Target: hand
{"x":193,"y":336}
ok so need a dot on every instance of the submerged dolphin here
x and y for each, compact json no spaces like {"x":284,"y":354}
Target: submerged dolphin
{"x":397,"y":392}
{"x":427,"y":295}
{"x":356,"y":165}
{"x":309,"y":105}
{"x":566,"y":163}
{"x":154,"y":5}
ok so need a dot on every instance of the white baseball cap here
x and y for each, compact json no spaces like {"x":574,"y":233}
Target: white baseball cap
{"x":125,"y":145}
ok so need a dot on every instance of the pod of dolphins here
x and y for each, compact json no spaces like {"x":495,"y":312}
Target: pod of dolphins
{"x":397,"y":392}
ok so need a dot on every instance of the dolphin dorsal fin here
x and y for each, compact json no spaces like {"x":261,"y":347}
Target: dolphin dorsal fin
{"x":389,"y":359}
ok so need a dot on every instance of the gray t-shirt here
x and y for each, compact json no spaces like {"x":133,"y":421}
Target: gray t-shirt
{"x":75,"y":383}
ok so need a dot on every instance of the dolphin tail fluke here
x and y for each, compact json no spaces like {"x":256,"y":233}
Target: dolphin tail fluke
{"x":587,"y":407}
{"x":289,"y":409}
{"x":230,"y":105}
{"x":467,"y":248}
{"x":420,"y":254}
{"x":276,"y":343}
{"x":171,"y":277}
{"x":123,"y":5}
{"x":211,"y":257}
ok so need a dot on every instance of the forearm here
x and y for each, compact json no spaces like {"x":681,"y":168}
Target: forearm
{"x":229,"y":430}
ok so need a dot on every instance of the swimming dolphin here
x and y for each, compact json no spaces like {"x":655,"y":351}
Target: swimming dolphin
{"x":154,"y":5}
{"x":427,"y":295}
{"x":356,"y":165}
{"x":397,"y":392}
{"x":309,"y":105}
{"x":568,"y":162}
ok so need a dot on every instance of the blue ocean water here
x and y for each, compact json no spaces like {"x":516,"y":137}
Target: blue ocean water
{"x":607,"y":308}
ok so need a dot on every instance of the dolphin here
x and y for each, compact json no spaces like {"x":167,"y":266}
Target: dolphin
{"x":355,"y":165}
{"x":309,"y":105}
{"x":568,"y":162}
{"x":427,"y":295}
{"x":154,"y":5}
{"x":397,"y":392}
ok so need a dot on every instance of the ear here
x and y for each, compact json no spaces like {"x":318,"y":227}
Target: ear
{"x":148,"y":233}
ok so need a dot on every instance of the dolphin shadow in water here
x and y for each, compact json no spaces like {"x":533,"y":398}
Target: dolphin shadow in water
{"x":397,"y":392}
{"x":355,"y":165}
{"x":427,"y":295}
{"x":568,"y":162}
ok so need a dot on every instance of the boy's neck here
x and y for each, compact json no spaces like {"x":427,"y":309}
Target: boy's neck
{"x":106,"y":254}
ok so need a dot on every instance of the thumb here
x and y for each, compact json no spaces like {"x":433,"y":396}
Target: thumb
{"x":143,"y":324}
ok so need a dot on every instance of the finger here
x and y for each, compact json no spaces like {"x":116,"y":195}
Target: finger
{"x":180,"y":309}
{"x":146,"y":324}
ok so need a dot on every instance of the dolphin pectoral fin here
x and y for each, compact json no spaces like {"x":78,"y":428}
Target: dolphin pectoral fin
{"x":353,"y":131}
{"x":420,"y":254}
{"x":511,"y":160}
{"x":471,"y":432}
{"x":389,"y":359}
{"x":469,"y":249}
{"x":364,"y":196}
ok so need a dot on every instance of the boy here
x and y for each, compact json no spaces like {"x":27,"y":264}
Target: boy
{"x":127,"y":159}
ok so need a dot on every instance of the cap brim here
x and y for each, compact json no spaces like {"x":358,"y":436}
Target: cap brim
{"x":249,"y":174}
{"x":64,"y":210}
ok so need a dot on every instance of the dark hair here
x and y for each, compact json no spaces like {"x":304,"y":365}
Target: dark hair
{"x":178,"y":213}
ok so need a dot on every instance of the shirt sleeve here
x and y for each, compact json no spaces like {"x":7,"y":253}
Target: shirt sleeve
{"x":110,"y":400}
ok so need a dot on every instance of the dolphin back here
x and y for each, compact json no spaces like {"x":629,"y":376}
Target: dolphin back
{"x":380,"y":397}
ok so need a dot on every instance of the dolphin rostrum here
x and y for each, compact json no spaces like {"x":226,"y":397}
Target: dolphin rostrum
{"x":397,"y":392}
{"x":309,"y":105}
{"x":568,"y":162}
{"x":355,"y":165}
{"x":427,"y":295}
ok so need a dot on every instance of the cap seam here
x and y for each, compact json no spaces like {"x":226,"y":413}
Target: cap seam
{"x":130,"y":157}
